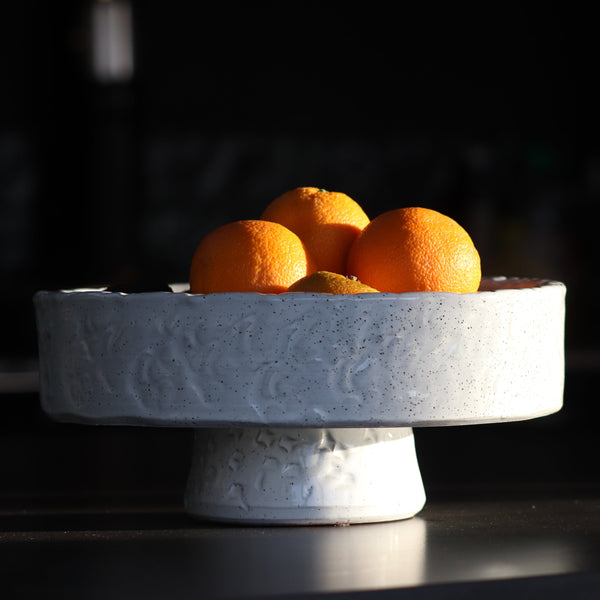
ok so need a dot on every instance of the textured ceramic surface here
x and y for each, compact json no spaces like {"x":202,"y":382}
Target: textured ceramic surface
{"x":304,"y":476}
{"x":303,"y":360}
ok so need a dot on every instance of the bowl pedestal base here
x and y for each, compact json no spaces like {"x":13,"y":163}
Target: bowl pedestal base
{"x":304,"y":476}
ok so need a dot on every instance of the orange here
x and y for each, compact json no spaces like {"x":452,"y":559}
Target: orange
{"x":415,"y":249}
{"x":248,"y":256}
{"x":327,"y":223}
{"x":325,"y":282}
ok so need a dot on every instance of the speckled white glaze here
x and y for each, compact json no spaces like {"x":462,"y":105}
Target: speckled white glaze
{"x":304,"y":476}
{"x":303,"y":360}
{"x":306,"y":400}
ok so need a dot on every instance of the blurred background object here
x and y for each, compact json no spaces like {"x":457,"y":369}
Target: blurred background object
{"x":129,"y":129}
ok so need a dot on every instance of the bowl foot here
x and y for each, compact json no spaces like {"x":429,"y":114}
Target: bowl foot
{"x":304,"y":476}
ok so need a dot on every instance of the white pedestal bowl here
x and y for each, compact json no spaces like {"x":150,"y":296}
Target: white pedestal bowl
{"x":304,"y":403}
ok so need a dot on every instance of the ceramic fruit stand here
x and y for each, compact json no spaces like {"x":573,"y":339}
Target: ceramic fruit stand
{"x":303,"y":404}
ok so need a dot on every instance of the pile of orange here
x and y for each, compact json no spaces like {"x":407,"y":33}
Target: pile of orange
{"x":314,"y":240}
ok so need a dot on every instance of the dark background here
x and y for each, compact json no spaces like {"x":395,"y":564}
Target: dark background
{"x":489,"y":115}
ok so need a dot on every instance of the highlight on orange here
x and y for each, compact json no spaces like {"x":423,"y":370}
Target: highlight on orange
{"x":415,"y":249}
{"x":248,"y":256}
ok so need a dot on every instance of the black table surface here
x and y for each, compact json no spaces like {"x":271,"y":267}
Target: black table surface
{"x":529,"y":543}
{"x":513,"y":511}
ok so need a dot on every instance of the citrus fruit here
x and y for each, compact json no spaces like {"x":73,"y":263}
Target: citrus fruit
{"x":415,"y":249}
{"x":326,"y":282}
{"x":327,"y":223}
{"x":248,"y":256}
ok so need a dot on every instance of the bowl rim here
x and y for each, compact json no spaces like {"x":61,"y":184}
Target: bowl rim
{"x":489,"y":285}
